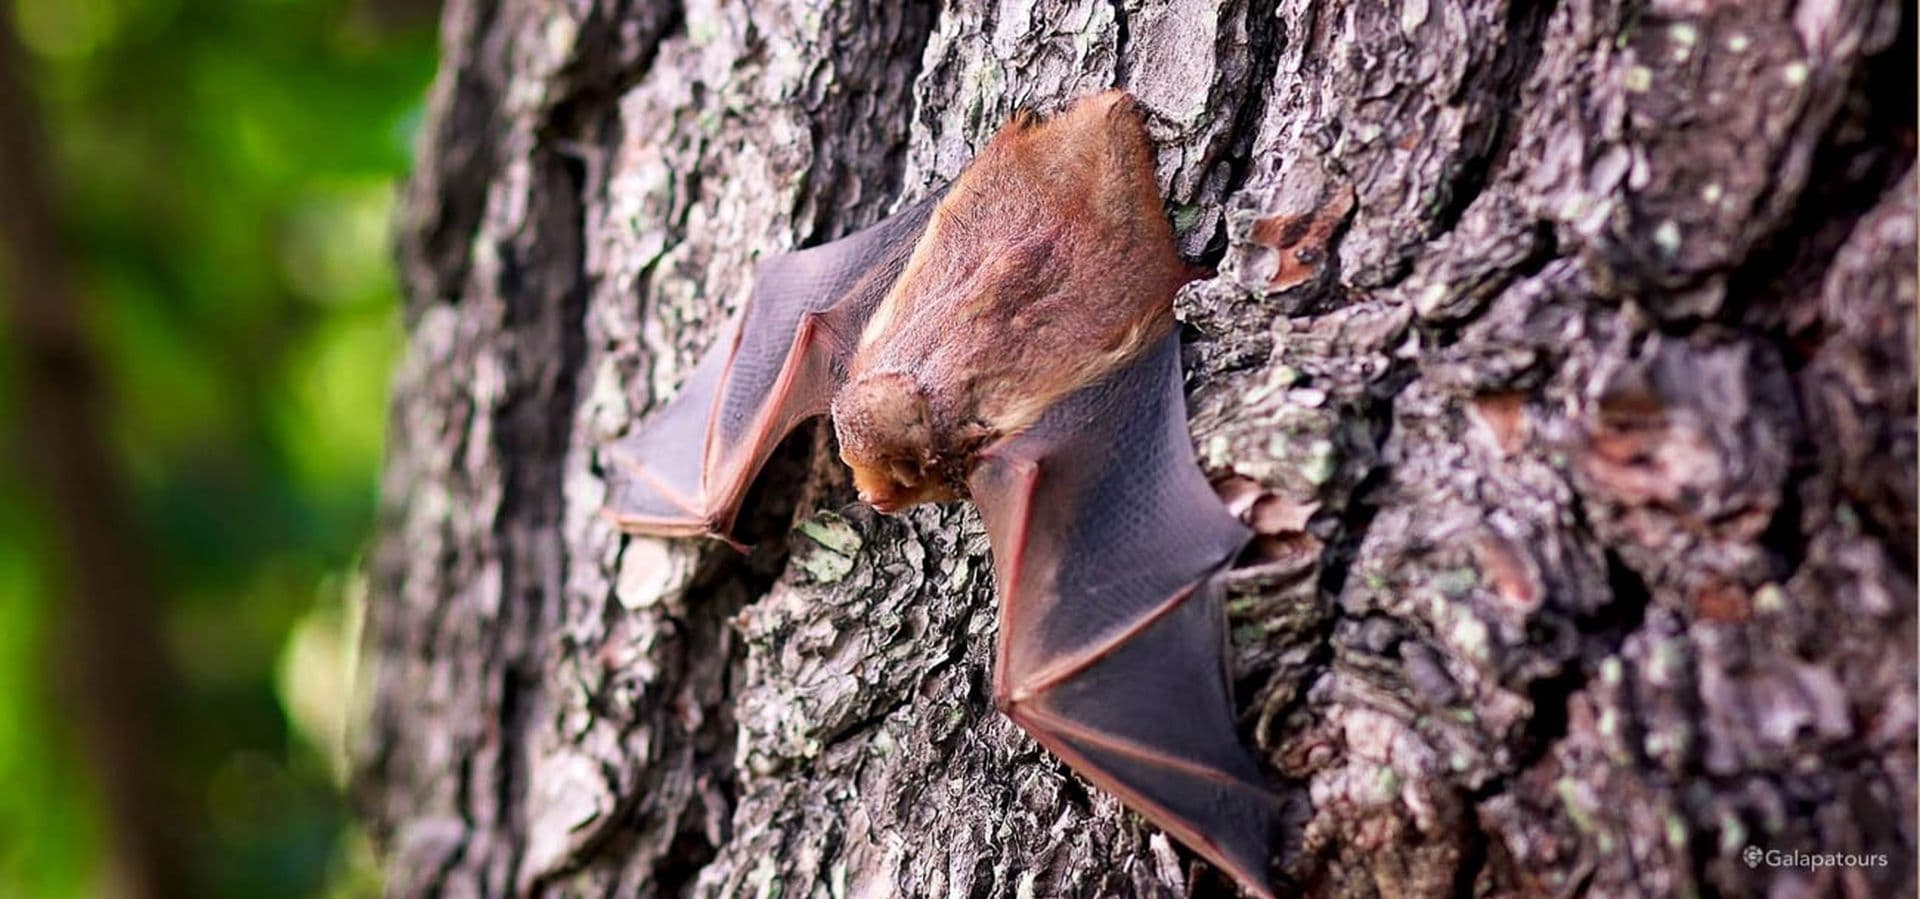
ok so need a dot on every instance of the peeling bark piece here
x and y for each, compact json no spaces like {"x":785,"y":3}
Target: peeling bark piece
{"x":1300,"y":240}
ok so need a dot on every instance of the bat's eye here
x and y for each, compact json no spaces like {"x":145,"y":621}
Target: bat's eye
{"x":905,"y":473}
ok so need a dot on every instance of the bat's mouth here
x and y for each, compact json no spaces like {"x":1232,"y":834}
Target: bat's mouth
{"x":890,"y":496}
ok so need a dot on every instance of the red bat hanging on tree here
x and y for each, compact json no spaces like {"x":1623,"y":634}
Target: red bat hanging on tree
{"x":1011,"y":341}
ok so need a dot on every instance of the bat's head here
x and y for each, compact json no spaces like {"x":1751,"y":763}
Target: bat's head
{"x":889,"y":437}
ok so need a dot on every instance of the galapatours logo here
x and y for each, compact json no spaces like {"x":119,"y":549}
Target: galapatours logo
{"x":1756,"y":857}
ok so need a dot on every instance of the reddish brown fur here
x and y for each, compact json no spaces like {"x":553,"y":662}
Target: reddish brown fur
{"x":1048,"y":265}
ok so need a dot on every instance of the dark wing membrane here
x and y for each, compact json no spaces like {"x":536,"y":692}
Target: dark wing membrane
{"x":685,"y":470}
{"x":1106,"y":542}
{"x":654,"y":474}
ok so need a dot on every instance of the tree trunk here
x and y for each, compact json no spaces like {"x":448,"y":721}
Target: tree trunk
{"x":1563,"y":352}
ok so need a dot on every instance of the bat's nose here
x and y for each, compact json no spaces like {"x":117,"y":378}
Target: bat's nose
{"x":884,"y":504}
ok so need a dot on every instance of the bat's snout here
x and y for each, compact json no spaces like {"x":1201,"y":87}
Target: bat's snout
{"x":890,"y":495}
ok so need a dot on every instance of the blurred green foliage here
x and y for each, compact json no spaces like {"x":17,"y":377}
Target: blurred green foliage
{"x":226,"y":172}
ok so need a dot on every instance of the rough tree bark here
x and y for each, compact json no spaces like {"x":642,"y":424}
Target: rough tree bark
{"x":1563,"y":353}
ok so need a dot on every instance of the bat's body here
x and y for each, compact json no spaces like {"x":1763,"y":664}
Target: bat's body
{"x":1052,"y":245}
{"x":1012,"y":344}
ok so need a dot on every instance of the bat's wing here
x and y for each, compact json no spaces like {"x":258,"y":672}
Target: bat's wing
{"x":687,"y":468}
{"x":1106,"y":542}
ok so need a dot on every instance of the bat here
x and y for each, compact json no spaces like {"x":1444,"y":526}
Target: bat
{"x":1010,"y":340}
